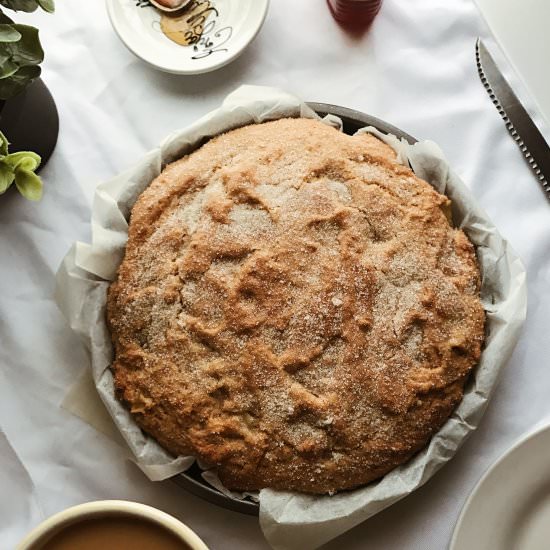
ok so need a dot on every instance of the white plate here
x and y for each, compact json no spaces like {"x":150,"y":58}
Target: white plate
{"x":510,"y":507}
{"x":228,"y":32}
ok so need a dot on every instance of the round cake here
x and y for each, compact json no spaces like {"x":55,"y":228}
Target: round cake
{"x":294,"y":308}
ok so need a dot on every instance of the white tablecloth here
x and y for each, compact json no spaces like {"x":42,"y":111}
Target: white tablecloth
{"x":416,"y":70}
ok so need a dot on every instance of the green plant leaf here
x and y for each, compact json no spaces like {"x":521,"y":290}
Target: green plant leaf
{"x":20,"y":5}
{"x":19,"y":60}
{"x":47,"y":5}
{"x":7,"y":66}
{"x":17,"y":82}
{"x":4,"y":143}
{"x":23,"y":160}
{"x":6,"y":177}
{"x":8,"y":33}
{"x":29,"y":184}
{"x":28,"y":51}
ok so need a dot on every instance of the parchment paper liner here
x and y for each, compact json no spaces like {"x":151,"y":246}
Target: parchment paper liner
{"x":292,"y":520}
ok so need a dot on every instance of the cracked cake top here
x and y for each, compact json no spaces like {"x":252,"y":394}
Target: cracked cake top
{"x":294,"y":308}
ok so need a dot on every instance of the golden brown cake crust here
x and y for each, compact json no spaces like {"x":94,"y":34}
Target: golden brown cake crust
{"x":294,"y":308}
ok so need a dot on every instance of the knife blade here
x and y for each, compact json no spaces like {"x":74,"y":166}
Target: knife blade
{"x":517,"y":119}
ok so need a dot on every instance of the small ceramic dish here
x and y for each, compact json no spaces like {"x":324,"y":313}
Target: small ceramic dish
{"x":108,"y":508}
{"x":509,"y":508}
{"x":219,"y":30}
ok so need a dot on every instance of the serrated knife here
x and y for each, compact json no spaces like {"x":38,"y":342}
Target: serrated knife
{"x":517,"y":120}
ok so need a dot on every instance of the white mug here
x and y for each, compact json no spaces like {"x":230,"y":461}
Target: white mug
{"x":103,"y":508}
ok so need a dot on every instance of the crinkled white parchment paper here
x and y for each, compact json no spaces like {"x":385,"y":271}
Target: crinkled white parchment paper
{"x":291,"y":520}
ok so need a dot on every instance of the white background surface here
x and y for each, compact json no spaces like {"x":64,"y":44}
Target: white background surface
{"x":522,"y":31}
{"x":415,"y":69}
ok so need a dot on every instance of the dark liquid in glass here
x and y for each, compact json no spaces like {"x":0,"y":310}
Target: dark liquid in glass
{"x":356,"y":13}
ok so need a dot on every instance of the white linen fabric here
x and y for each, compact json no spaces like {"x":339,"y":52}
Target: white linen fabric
{"x":415,"y":69}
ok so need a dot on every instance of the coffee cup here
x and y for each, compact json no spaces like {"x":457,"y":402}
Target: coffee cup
{"x":90,"y":525}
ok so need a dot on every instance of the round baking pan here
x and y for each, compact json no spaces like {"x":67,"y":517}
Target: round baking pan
{"x":192,"y":480}
{"x":355,"y":120}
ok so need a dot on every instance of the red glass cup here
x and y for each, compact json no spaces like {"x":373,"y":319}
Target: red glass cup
{"x":355,"y":12}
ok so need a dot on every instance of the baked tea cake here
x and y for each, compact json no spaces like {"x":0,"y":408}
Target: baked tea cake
{"x":294,"y":308}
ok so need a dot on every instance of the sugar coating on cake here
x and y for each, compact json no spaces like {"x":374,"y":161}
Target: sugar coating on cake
{"x":294,"y":308}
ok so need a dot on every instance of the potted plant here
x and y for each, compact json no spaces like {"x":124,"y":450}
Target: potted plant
{"x":28,"y":116}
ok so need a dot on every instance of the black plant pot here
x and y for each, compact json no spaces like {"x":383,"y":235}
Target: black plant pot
{"x":30,"y":121}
